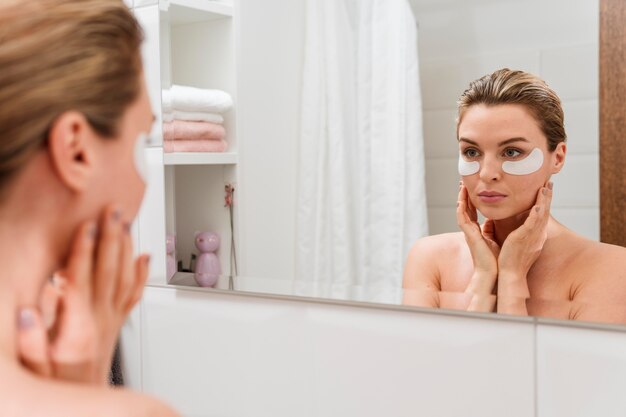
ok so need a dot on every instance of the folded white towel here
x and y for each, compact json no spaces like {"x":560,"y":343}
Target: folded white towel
{"x":166,"y":101}
{"x":191,"y":99}
{"x":193,"y":117}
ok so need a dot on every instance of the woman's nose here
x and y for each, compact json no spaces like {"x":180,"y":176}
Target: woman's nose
{"x":490,"y":169}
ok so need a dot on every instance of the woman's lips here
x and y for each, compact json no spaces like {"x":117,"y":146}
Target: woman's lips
{"x":491,"y":197}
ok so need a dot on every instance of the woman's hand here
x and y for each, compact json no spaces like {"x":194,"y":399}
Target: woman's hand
{"x":483,"y":248}
{"x":93,"y":295}
{"x":523,"y":246}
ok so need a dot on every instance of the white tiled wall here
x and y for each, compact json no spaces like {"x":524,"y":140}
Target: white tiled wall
{"x":461,"y":40}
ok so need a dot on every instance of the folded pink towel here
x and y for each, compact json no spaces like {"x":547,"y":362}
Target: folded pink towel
{"x":194,"y":146}
{"x":184,"y":130}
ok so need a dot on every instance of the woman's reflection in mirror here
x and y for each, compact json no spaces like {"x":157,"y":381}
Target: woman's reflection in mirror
{"x":520,"y":260}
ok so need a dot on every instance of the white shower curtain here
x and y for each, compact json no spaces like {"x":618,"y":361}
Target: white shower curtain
{"x":361,"y":196}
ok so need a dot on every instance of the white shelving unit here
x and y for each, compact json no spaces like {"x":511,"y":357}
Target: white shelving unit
{"x":189,"y":42}
{"x":192,"y":11}
{"x":200,"y":158}
{"x":253,"y":50}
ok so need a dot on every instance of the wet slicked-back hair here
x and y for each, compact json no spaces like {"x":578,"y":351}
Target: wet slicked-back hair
{"x":62,"y":55}
{"x":505,"y":86}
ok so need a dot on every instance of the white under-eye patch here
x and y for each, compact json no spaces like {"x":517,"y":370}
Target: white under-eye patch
{"x":468,"y":168}
{"x":525,"y":166}
{"x":140,"y":157}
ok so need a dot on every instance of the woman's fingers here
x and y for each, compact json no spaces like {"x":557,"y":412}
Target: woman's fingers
{"x":468,"y":227}
{"x":32,"y":342}
{"x":462,"y":217}
{"x":471,"y":210}
{"x":133,"y":275}
{"x":79,"y":269}
{"x":142,"y":267}
{"x":126,"y":280}
{"x":460,"y":206}
{"x":74,"y":328}
{"x":539,"y":214}
{"x":107,"y":265}
{"x":50,"y":299}
{"x":489,"y":229}
{"x":547,"y":201}
{"x":541,"y":210}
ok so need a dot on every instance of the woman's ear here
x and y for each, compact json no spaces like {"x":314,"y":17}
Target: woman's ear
{"x":558,"y":158}
{"x":71,"y":153}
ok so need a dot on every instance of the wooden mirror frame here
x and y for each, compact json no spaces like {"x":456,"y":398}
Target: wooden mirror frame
{"x":613,"y":121}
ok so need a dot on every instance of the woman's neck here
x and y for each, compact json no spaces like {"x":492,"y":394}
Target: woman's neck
{"x":504,"y":227}
{"x":27,"y":261}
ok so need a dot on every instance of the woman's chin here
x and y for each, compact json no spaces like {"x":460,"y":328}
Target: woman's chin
{"x":503,"y":213}
{"x":496,"y":213}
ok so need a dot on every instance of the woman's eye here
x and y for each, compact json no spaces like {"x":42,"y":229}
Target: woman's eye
{"x":471,"y":153}
{"x":512,"y":153}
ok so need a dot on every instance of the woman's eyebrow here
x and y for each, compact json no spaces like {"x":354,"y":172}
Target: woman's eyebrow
{"x":506,"y":142}
{"x":468,"y":141}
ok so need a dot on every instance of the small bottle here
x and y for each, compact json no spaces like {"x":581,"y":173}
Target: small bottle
{"x":208,"y":269}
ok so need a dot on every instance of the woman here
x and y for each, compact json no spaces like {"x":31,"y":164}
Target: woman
{"x":74,"y":116}
{"x":521,"y":261}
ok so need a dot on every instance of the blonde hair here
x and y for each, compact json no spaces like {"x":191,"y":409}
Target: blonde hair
{"x":505,"y":86}
{"x":62,"y":55}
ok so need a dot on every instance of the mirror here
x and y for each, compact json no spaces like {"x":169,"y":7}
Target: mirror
{"x":336,"y":207}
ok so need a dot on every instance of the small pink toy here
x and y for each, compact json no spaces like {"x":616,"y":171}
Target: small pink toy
{"x":170,"y":247}
{"x":208,"y":269}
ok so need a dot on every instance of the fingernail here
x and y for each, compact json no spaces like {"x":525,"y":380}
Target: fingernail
{"x":54,"y":281}
{"x":537,"y":209}
{"x":26,"y":319}
{"x":127,"y":227}
{"x":116,"y":215}
{"x":544,"y":191}
{"x":550,"y":185}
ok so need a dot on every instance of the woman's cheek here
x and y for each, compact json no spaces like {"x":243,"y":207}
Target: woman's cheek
{"x":528,"y":192}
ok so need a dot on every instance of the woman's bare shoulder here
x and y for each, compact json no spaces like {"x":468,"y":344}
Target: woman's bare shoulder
{"x":424,"y":264}
{"x":438,"y":244}
{"x":604,"y":256}
{"x":601,"y":272}
{"x":24,"y":395}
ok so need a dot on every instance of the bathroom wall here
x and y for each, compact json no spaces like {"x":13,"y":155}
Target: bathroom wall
{"x":462,"y":40}
{"x":217,"y":354}
{"x":226,"y":354}
{"x":459,"y":40}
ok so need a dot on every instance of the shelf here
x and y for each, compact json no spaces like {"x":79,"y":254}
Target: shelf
{"x":241,"y":283}
{"x":183,"y":278}
{"x":200,"y":158}
{"x":186,"y":279}
{"x":191,"y":11}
